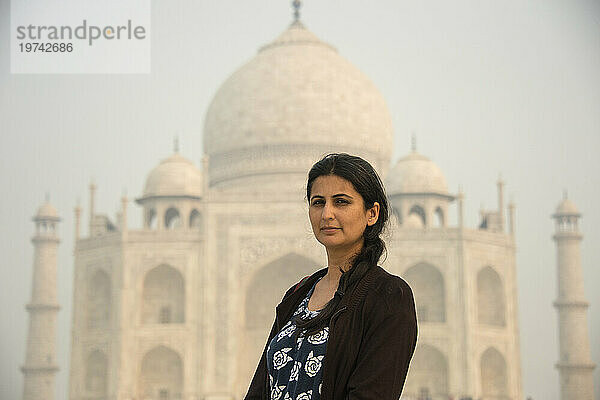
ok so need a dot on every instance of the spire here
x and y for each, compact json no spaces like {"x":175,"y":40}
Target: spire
{"x":413,"y":143}
{"x":176,"y":144}
{"x":565,"y":194}
{"x":47,"y":197}
{"x":460,"y":198}
{"x":296,"y":4}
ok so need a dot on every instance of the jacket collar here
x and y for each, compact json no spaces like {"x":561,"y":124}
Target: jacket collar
{"x":289,"y":302}
{"x":287,"y":305}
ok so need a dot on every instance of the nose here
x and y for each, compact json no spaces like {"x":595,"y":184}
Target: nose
{"x":327,"y":211}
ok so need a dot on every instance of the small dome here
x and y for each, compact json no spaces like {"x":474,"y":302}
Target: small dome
{"x":174,"y":176}
{"x":567,"y":207}
{"x":46,"y":211}
{"x":416,"y":173}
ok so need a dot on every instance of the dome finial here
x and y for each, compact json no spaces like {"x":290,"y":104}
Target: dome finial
{"x":47,"y":197}
{"x":176,"y":144}
{"x":565,"y":194}
{"x":413,"y":143}
{"x":296,"y":4}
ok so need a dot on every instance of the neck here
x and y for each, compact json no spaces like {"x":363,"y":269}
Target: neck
{"x":340,"y":259}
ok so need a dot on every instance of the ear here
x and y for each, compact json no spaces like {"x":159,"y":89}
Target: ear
{"x":373,"y":214}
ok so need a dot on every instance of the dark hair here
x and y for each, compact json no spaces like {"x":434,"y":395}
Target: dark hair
{"x":367,"y":183}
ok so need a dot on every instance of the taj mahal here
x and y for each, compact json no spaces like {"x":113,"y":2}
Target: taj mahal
{"x":180,"y":307}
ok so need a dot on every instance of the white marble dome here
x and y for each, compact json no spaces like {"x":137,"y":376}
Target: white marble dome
{"x":296,"y":100}
{"x":174,"y":176}
{"x":416,"y":173}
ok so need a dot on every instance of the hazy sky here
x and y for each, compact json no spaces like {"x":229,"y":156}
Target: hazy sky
{"x":489,"y":88}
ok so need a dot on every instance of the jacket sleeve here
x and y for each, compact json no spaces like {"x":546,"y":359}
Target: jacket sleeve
{"x":389,"y":340}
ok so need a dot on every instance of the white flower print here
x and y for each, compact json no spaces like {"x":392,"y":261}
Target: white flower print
{"x":286,"y":332}
{"x":270,"y":381}
{"x":295,"y":370}
{"x":299,"y":340}
{"x":313,"y":364}
{"x":276,"y":392}
{"x":320,"y":387}
{"x":319,"y":337}
{"x":299,"y":309}
{"x":305,"y":396}
{"x":287,"y":396}
{"x":281,"y":358}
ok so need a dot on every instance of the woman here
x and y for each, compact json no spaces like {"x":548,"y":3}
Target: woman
{"x":349,"y":330}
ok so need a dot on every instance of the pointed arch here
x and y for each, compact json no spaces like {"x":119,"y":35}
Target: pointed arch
{"x":163,"y":297}
{"x":428,"y":287}
{"x":490,"y":298}
{"x":161,"y":375}
{"x":268,"y":285}
{"x":150,"y":219}
{"x":263,"y":292}
{"x":99,"y":300}
{"x":440,"y":222}
{"x":494,"y":384}
{"x":172,"y":219}
{"x":195,"y":220}
{"x":96,"y":375}
{"x":428,"y":374}
{"x":418,"y":211}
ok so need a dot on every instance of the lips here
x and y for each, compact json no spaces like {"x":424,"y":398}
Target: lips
{"x":329,"y":228}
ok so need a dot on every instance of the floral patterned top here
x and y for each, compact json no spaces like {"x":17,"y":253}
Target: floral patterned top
{"x":294,"y":366}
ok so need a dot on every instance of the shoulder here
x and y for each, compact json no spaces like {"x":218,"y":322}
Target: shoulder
{"x":307,"y":280}
{"x":389,"y":292}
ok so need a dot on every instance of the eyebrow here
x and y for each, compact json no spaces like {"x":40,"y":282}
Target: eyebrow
{"x":335,"y":195}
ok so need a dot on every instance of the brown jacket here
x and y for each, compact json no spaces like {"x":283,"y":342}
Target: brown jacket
{"x":372,"y":337}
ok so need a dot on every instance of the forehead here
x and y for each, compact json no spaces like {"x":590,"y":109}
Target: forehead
{"x":327,"y":185}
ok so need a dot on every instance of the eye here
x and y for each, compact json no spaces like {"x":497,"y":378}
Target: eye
{"x":342,"y":201}
{"x":317,"y":202}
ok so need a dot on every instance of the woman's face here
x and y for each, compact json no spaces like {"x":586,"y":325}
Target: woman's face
{"x":337,"y":213}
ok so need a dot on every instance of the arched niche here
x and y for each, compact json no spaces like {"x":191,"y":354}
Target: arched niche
{"x":263,"y":292}
{"x":418,"y":211}
{"x":428,"y":374}
{"x":195,"y":220}
{"x":494,"y":384}
{"x":99,"y":300}
{"x":161,"y":375}
{"x":428,"y":287}
{"x":150,"y":219}
{"x":163,"y":298}
{"x":439,"y":218}
{"x":490,"y":298}
{"x":172,"y":218}
{"x":96,"y":375}
{"x":397,"y":212}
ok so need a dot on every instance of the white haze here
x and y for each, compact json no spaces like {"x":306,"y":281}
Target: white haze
{"x":510,"y":87}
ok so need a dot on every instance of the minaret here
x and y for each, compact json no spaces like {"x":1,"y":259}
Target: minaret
{"x":40,"y":360}
{"x":575,"y":367}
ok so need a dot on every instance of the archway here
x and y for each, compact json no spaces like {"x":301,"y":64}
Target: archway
{"x":263,"y":293}
{"x":163,"y":298}
{"x":98,"y":301}
{"x":493,"y":375}
{"x":172,"y":219}
{"x":428,"y":374}
{"x":427,"y":283}
{"x":161,"y":375}
{"x":96,"y":371}
{"x":490,"y":298}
